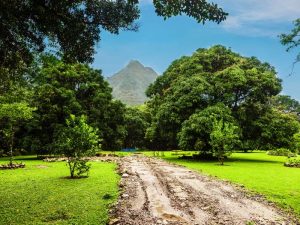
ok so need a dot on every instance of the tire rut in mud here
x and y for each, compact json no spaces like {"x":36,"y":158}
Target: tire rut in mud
{"x":156,"y":192}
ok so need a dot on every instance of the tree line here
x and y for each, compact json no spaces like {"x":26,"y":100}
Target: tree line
{"x":213,"y":89}
{"x":211,"y":101}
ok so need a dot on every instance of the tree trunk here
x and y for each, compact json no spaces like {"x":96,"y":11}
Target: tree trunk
{"x":11,"y":147}
{"x":221,"y":160}
{"x":71,"y":167}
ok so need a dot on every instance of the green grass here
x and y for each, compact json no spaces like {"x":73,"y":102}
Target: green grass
{"x":39,"y":194}
{"x":257,"y":171}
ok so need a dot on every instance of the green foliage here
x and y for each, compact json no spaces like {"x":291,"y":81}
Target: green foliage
{"x":286,"y":104}
{"x":13,"y":114}
{"x":75,"y":141}
{"x":73,"y":27}
{"x":200,"y":10}
{"x":282,"y":152}
{"x":223,"y":138}
{"x":135,"y":124}
{"x":62,"y":89}
{"x":210,"y":76}
{"x":196,"y":131}
{"x":277,"y":130}
{"x":293,"y":163}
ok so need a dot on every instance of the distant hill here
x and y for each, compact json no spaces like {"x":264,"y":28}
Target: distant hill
{"x":129,"y":84}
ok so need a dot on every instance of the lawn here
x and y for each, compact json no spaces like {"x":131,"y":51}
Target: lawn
{"x":40,"y":194}
{"x":258,"y":172}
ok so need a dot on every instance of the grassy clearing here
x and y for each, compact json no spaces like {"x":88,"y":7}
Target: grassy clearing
{"x":257,"y":171}
{"x":39,"y":194}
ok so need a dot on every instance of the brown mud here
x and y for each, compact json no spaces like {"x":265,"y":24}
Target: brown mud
{"x":157,"y":192}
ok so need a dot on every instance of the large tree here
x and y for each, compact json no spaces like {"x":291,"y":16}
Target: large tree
{"x":210,"y":76}
{"x":73,"y":27}
{"x":62,"y":89}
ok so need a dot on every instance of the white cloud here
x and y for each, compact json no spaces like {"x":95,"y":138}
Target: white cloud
{"x":259,"y":17}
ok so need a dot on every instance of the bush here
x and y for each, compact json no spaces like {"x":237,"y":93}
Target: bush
{"x":282,"y":152}
{"x":76,"y":141}
{"x":293,"y":163}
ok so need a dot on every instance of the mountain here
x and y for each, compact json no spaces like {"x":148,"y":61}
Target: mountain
{"x":129,"y":84}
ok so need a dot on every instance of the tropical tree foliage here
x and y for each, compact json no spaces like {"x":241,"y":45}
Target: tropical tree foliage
{"x":136,"y":123}
{"x":192,"y":85}
{"x":73,"y":27}
{"x":196,"y":131}
{"x":277,"y":130}
{"x":75,"y":141}
{"x":62,"y":89}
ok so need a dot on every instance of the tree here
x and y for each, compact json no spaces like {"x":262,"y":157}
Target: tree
{"x":62,"y":89}
{"x":135,"y":124}
{"x":75,"y":141}
{"x":223,"y":138}
{"x":73,"y":27}
{"x":196,"y":132}
{"x":191,"y":84}
{"x":13,"y":114}
{"x":277,"y":130}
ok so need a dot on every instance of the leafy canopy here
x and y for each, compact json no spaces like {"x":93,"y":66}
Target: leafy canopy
{"x":73,"y":27}
{"x":208,"y":77}
{"x":62,"y":89}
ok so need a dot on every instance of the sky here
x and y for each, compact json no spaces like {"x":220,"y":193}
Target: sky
{"x":251,"y":29}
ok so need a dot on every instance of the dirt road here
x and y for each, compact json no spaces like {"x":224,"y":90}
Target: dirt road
{"x":156,"y":192}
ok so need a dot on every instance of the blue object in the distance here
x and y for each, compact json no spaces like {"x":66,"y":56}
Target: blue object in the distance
{"x":128,"y":149}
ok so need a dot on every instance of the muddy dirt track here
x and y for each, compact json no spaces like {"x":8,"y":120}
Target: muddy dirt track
{"x":157,"y":192}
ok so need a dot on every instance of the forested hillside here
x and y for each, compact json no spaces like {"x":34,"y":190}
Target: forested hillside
{"x":129,"y":84}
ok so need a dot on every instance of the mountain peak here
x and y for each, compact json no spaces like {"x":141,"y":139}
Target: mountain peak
{"x":134,"y":63}
{"x":130,"y":83}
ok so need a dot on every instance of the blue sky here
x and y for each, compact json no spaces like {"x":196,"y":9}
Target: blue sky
{"x":251,"y":29}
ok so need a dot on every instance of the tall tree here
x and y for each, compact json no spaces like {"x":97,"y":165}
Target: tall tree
{"x":62,"y":89}
{"x":73,"y":27}
{"x":210,"y":76}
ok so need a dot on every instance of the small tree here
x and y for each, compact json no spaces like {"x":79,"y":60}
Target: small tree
{"x":222,"y":139}
{"x":75,"y":141}
{"x":13,"y":114}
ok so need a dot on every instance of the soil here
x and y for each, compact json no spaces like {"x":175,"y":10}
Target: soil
{"x":154,"y":191}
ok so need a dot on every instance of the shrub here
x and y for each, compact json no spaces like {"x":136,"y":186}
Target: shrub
{"x":282,"y":152}
{"x":76,"y":141}
{"x":222,"y":139}
{"x":293,"y":163}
